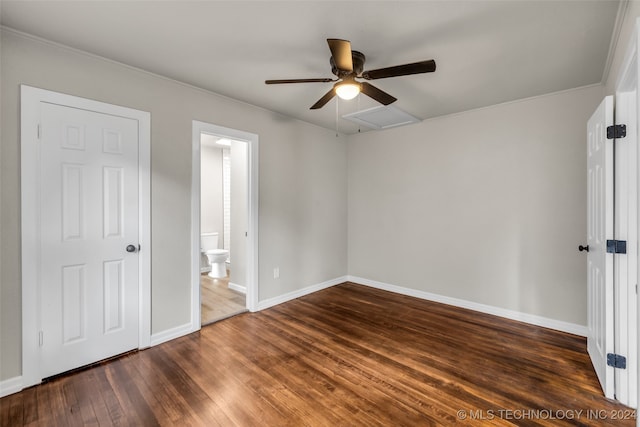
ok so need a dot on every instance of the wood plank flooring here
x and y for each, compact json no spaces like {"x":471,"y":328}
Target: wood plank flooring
{"x":346,"y":356}
{"x":217,"y":301}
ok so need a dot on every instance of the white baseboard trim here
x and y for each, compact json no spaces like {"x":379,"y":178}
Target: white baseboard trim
{"x":300,"y":293}
{"x":172,"y":333}
{"x":14,"y":385}
{"x":532,"y":319}
{"x":238,"y":288}
{"x":10,"y":386}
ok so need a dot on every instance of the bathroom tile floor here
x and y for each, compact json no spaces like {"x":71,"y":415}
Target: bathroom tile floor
{"x":218,"y":301}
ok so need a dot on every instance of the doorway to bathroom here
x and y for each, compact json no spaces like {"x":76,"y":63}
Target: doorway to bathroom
{"x":224,"y":222}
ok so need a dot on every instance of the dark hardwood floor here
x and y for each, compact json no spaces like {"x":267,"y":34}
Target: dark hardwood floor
{"x":346,"y":356}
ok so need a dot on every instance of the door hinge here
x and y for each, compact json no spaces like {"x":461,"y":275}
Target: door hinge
{"x":617,"y":246}
{"x":39,"y":130}
{"x":40,"y":338}
{"x":616,"y":131}
{"x":616,"y":361}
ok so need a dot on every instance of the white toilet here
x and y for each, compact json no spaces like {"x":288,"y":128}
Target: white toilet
{"x":216,"y":257}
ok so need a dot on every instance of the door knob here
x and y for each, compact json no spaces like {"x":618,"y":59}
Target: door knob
{"x":131,"y":248}
{"x":583,"y":248}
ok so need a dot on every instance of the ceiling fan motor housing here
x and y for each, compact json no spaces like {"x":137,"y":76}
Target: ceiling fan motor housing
{"x":357,"y":58}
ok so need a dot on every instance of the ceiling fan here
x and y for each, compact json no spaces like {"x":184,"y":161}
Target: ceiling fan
{"x":348,"y":65}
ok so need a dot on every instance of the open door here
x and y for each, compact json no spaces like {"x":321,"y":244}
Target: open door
{"x":600,"y":337}
{"x":626,"y":228}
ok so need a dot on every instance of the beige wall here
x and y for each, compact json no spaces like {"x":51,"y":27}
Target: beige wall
{"x":486,"y":206}
{"x":302,"y":181}
{"x":211,"y":201}
{"x":211,"y":194}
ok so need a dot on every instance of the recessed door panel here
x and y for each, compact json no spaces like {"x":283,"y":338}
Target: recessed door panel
{"x":73,"y":137}
{"x":73,"y":303}
{"x":113,"y":199}
{"x":112,"y":141}
{"x":72,"y":201}
{"x":113,"y":295}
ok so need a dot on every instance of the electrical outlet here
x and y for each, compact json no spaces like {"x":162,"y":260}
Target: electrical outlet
{"x":276,"y":273}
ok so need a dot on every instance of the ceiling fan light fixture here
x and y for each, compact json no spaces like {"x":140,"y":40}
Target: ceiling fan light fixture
{"x":348,"y":90}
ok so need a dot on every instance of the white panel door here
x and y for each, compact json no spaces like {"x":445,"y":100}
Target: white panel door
{"x":599,"y":229}
{"x":626,"y":228}
{"x":88,"y":216}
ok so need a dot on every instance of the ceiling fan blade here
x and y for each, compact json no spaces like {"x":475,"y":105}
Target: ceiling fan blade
{"x":276,"y":82}
{"x":341,"y":53}
{"x":401,"y":70}
{"x":373,"y":92}
{"x":326,"y":98}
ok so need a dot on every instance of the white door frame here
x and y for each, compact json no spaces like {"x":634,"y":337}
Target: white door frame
{"x":627,"y":111}
{"x":30,"y":100}
{"x":252,"y":230}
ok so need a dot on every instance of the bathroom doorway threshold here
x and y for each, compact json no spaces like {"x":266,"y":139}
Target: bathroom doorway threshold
{"x":218,"y":302}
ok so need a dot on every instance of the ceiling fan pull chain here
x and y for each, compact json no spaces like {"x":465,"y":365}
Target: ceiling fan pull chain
{"x":358,"y":110}
{"x":337,"y":102}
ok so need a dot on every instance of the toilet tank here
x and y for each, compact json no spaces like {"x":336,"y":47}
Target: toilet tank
{"x":208,"y":241}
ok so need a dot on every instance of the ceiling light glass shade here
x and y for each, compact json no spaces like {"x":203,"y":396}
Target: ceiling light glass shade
{"x":348,"y":90}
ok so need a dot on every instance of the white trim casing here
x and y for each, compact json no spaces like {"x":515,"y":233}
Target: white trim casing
{"x":30,"y":99}
{"x":144,"y":227}
{"x":545,"y":322}
{"x":195,"y":226}
{"x":252,"y":212}
{"x":627,"y":111}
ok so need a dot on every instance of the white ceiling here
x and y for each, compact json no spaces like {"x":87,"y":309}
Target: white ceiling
{"x":487,"y":52}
